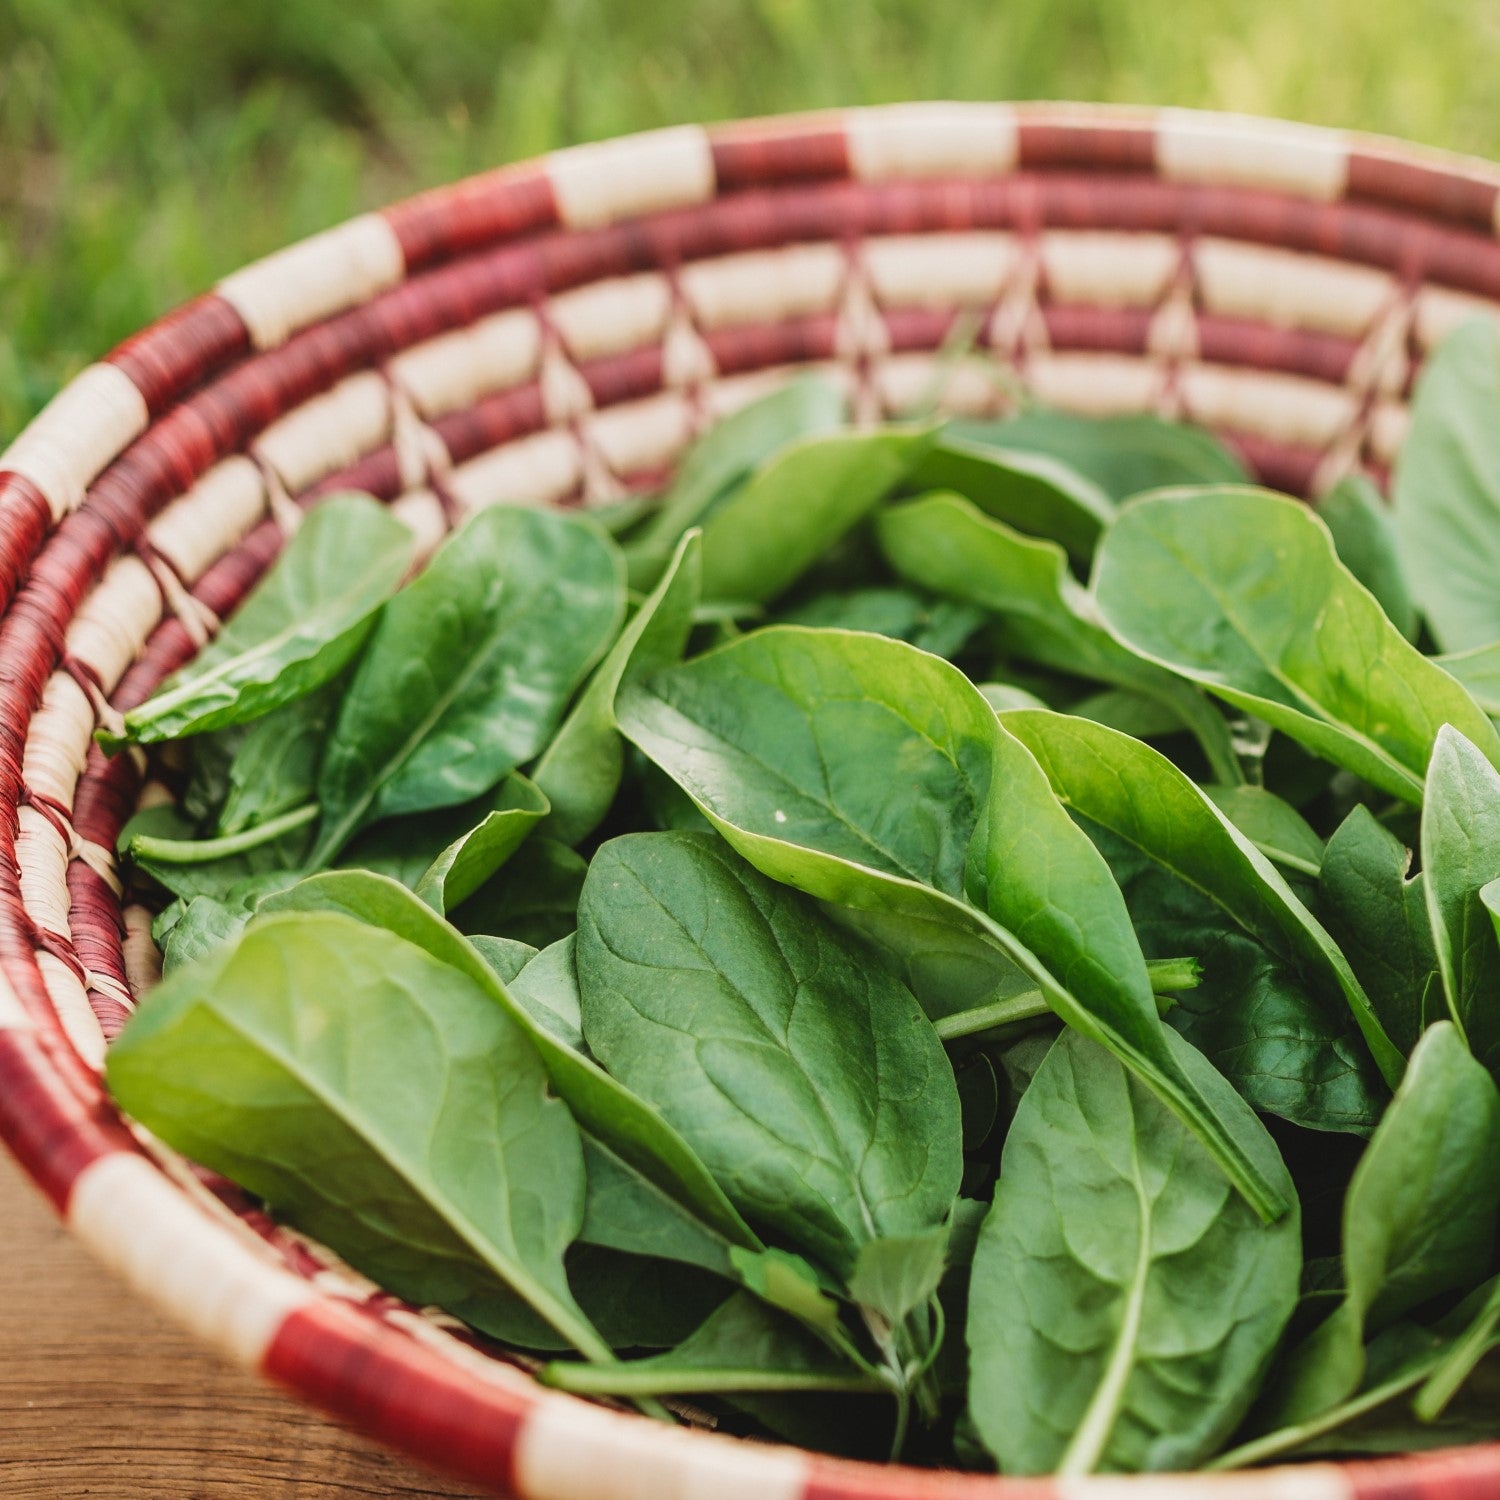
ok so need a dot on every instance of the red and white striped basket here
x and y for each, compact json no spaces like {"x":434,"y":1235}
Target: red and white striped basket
{"x":555,"y":332}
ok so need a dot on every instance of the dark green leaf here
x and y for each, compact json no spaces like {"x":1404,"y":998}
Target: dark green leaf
{"x":533,"y":898}
{"x":770,"y":1041}
{"x":548,"y":988}
{"x":469,"y":669}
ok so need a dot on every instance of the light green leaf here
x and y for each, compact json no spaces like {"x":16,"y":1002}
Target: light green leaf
{"x":1273,"y":825}
{"x":1365,"y":538}
{"x":1447,"y":489}
{"x":579,"y":772}
{"x":790,"y":512}
{"x":299,"y":627}
{"x":1460,"y":856}
{"x":377,"y":1099}
{"x":1241,"y":590}
{"x":548,"y":988}
{"x":1125,"y":1303}
{"x":943,"y":543}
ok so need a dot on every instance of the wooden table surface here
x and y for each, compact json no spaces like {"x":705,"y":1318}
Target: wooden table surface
{"x":101,"y":1397}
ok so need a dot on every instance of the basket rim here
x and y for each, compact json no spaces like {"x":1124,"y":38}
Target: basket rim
{"x":501,"y":1428}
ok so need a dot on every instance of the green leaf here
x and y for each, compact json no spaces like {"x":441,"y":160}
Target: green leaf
{"x":376,"y":1098}
{"x":899,"y":1273}
{"x":299,"y":627}
{"x":791,"y":740}
{"x":1125,"y":1303}
{"x":469,"y":669}
{"x":533,"y":897}
{"x":1479,"y":671}
{"x":580,"y":771}
{"x":1123,"y":455}
{"x":470,"y":859}
{"x":724,"y":457}
{"x":1033,"y":492}
{"x":796,"y":1065}
{"x":548,"y":987}
{"x":943,"y":543}
{"x":942,"y":626}
{"x":1397,"y":1361}
{"x":1460,"y":856}
{"x":1241,"y":590}
{"x":1273,"y":825}
{"x":602,"y":1105}
{"x":1137,"y":794}
{"x":159,"y":841}
{"x":504,"y":955}
{"x":1419,"y":1219}
{"x":1365,"y":538}
{"x":743,"y":1346}
{"x":1379,"y":918}
{"x":1447,"y":489}
{"x":792,"y":511}
{"x":275,"y":766}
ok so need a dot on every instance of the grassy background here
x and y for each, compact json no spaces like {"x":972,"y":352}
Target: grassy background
{"x":149,"y":146}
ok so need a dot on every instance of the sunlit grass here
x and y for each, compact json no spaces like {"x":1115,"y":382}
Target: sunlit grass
{"x":148,"y":146}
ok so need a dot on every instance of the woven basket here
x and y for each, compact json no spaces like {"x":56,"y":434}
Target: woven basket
{"x":556,"y":332}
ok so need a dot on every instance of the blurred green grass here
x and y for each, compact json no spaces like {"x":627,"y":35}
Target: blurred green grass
{"x":149,"y":146}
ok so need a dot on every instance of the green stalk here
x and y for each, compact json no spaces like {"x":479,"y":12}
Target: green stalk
{"x":629,"y":1380}
{"x":203,"y":851}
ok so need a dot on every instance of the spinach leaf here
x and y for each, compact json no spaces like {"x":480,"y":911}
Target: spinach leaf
{"x":1033,"y":492}
{"x":742,"y":1346}
{"x":299,"y":627}
{"x":943,"y":543}
{"x":1125,"y":1303}
{"x":790,"y":741}
{"x":942,"y":626}
{"x":1138,"y":795}
{"x":797,"y":1066}
{"x":580,"y":771}
{"x":1240,"y":590}
{"x":469,"y":669}
{"x":1460,"y":856}
{"x":1479,"y":671}
{"x":788,"y":514}
{"x":1419,"y":1219}
{"x":603,"y":1106}
{"x":446,"y":855}
{"x":504,"y":955}
{"x":1123,"y":455}
{"x":275,"y":765}
{"x":1365,"y":539}
{"x":1397,"y":1362}
{"x":548,"y":987}
{"x":723,"y":458}
{"x":533,"y":898}
{"x":376,"y":1098}
{"x":1272,"y":824}
{"x":1447,"y":489}
{"x":1379,"y":919}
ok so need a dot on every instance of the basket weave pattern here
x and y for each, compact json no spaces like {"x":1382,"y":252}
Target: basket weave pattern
{"x":556,"y":332}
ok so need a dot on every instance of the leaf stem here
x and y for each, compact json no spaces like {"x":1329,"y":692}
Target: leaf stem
{"x":1169,"y":976}
{"x":203,"y":851}
{"x":632,"y":1380}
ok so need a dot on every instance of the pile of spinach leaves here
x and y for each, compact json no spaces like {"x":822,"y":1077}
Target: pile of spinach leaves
{"x":973,"y":942}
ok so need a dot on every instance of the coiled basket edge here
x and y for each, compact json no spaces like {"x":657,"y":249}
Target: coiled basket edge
{"x":555,"y":332}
